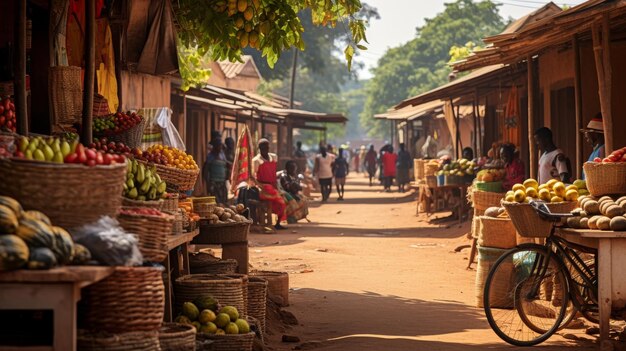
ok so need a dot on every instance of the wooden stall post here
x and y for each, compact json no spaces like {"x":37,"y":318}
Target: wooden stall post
{"x":601,"y":49}
{"x":20,"y":68}
{"x":530,"y":82}
{"x":90,"y":71}
{"x":579,"y":107}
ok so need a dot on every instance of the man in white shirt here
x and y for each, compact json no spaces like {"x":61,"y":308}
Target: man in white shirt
{"x":553,"y":163}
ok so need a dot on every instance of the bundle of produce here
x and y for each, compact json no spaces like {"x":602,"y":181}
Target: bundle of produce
{"x":231,"y":214}
{"x":553,"y":191}
{"x":207,"y":318}
{"x":458,"y":168}
{"x":143,"y":183}
{"x":109,"y":146}
{"x":28,"y":239}
{"x":174,"y":166}
{"x":7,"y":115}
{"x":603,"y":213}
{"x":59,"y":150}
{"x":115,"y":124}
{"x":490,"y":175}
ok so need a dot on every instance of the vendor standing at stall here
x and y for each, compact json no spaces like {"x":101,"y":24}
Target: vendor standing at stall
{"x":513,"y":167}
{"x":553,"y":163}
{"x":264,"y":171}
{"x":594,"y":134}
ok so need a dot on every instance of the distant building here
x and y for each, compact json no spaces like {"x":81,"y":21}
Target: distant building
{"x":242,"y":76}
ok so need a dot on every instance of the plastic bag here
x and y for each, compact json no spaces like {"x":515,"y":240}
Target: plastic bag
{"x":109,"y":244}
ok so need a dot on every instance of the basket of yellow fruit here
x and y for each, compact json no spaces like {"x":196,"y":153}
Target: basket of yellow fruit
{"x":559,"y":198}
{"x":174,"y":166}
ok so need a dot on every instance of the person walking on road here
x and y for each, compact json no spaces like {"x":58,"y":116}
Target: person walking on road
{"x":389,"y":160}
{"x":402,"y":168}
{"x":340,"y":171}
{"x":370,"y":163}
{"x":324,"y":172}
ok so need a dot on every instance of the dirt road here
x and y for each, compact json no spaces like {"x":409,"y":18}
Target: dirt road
{"x":367,"y":274}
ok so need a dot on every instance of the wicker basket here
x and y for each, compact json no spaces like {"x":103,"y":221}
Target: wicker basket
{"x":229,"y":342}
{"x":244,"y":291}
{"x":482,"y":200}
{"x":158,"y":204}
{"x":151,"y":232}
{"x":527,"y":221}
{"x":222,"y":233}
{"x":132,"y":341}
{"x":183,"y":179}
{"x":496,"y":232}
{"x":71,"y":195}
{"x":418,"y":168}
{"x":430,"y":169}
{"x":493,"y":187}
{"x":66,"y":95}
{"x":204,"y":263}
{"x":130,"y":137}
{"x":431,"y":181}
{"x":204,"y":209}
{"x":499,"y":296}
{"x":100,"y":106}
{"x":132,"y":298}
{"x":605,"y":178}
{"x":228,"y":291}
{"x":170,"y":203}
{"x":277,"y":284}
{"x":257,"y":299}
{"x":177,"y":337}
{"x":177,"y":224}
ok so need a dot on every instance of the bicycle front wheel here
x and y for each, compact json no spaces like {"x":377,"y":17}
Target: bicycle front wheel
{"x":526,"y":295}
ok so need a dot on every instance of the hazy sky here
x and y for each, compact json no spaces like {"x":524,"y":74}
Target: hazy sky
{"x":399,"y":18}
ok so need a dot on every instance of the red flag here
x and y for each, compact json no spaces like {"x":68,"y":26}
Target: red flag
{"x":243,"y":159}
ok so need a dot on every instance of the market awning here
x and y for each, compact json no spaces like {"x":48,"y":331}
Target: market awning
{"x":302,"y":115}
{"x":457,"y":87}
{"x":216,"y":103}
{"x":411,"y":112}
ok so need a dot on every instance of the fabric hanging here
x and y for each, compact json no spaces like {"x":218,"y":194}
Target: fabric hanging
{"x":107,"y":82}
{"x":243,"y":159}
{"x":159,"y":128}
{"x":59,"y":11}
{"x":512,"y":117}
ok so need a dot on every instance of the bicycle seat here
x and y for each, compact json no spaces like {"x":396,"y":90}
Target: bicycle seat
{"x":544,"y":212}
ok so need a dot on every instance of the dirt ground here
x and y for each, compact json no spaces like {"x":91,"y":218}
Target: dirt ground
{"x":367,"y":274}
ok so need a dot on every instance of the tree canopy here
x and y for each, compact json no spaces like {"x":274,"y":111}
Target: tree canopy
{"x":421,"y":64}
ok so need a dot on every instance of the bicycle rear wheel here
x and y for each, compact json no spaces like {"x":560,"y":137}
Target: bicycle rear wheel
{"x":526,"y":295}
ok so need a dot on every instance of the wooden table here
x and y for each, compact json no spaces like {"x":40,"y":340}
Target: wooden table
{"x":428,"y":194}
{"x":611,"y":260}
{"x":57,"y":289}
{"x":176,"y":265}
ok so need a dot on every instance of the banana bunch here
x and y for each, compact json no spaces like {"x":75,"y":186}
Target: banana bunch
{"x":142,"y":182}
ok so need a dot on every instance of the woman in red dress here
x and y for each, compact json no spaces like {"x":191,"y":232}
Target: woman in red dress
{"x":265,"y":176}
{"x":389,"y":168}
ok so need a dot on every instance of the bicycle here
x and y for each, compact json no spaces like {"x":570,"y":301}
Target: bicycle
{"x":534,"y":290}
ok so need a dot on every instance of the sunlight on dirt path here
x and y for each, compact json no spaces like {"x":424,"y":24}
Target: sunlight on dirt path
{"x":367,"y":274}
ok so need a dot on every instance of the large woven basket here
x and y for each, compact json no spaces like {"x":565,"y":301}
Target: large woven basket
{"x":418,"y":168}
{"x":182,"y":179}
{"x":156,"y":204}
{"x":170,"y":203}
{"x":204,"y":263}
{"x":222,"y":233}
{"x":605,"y":178}
{"x":527,"y":221}
{"x":482,"y":200}
{"x":131,"y":341}
{"x":130,"y":137}
{"x":228,"y":291}
{"x":151,"y":232}
{"x":244,"y":289}
{"x":496,"y":232}
{"x":501,"y":286}
{"x":257,"y":299}
{"x":177,"y":337}
{"x":71,"y":195}
{"x":132,"y":298}
{"x":277,"y":284}
{"x":229,"y":342}
{"x":66,"y":95}
{"x":430,"y":169}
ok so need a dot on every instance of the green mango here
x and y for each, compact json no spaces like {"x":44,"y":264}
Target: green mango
{"x":152,"y":194}
{"x":58,"y":157}
{"x":65,"y":148}
{"x":134,"y":167}
{"x":161,"y":187}
{"x":141,"y":198}
{"x":140,"y":176}
{"x":132,"y":193}
{"x":38,"y":155}
{"x":130,"y":183}
{"x":125,"y":188}
{"x":23,"y":145}
{"x":145,"y":186}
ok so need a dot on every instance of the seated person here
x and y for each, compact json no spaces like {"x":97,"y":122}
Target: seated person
{"x":513,"y":166}
{"x":264,"y":173}
{"x":297,"y":207}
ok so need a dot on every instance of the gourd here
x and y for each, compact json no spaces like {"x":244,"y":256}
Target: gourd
{"x":8,"y":220}
{"x":35,"y":233}
{"x":13,"y":252}
{"x":63,"y":247}
{"x":41,"y":258}
{"x":12,"y":204}
{"x":81,"y":255}
{"x":38,"y":216}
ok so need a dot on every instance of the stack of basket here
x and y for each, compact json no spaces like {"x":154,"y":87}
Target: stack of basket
{"x":151,"y":232}
{"x":123,"y":311}
{"x":481,"y":201}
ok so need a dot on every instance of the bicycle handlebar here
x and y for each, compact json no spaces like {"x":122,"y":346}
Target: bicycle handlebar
{"x":544,"y":212}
